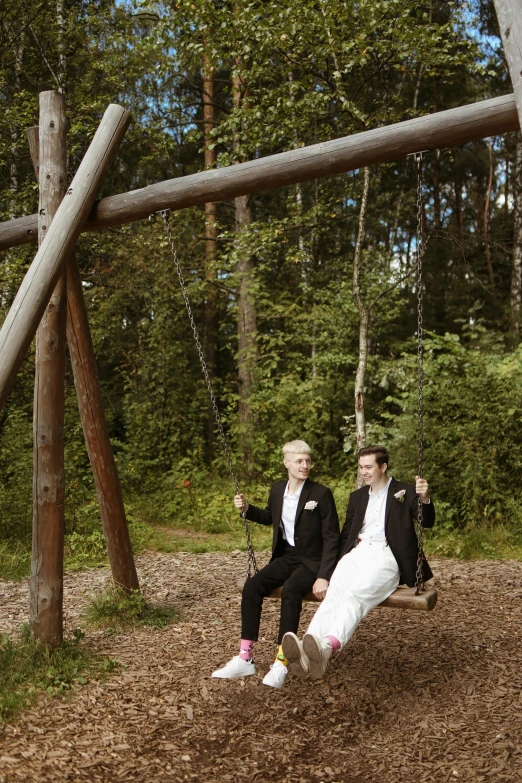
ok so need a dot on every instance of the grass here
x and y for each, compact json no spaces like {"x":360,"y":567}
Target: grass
{"x":15,"y":560}
{"x":28,"y":667}
{"x":116,"y":610}
{"x":481,"y":542}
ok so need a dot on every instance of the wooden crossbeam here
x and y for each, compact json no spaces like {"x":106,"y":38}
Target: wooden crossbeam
{"x":393,"y":142}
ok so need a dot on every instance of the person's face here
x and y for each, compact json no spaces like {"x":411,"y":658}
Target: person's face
{"x":298,"y":465}
{"x":370,"y":471}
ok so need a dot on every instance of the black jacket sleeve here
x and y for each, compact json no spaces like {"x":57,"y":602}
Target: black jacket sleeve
{"x":428,"y":511}
{"x":350,"y":513}
{"x":330,"y":530}
{"x":263,"y":516}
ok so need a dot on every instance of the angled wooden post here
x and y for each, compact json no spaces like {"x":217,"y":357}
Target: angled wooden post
{"x":96,"y":433}
{"x":509,"y":15}
{"x":94,"y":422}
{"x":46,"y":583}
{"x":33,"y":295}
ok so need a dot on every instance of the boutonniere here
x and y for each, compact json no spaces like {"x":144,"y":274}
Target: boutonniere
{"x":310,"y":505}
{"x":400,"y":495}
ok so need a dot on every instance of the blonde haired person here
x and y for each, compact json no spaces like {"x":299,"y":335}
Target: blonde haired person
{"x":304,"y":551}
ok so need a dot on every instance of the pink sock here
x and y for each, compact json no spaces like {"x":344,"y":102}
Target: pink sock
{"x":334,"y":643}
{"x":245,"y":651}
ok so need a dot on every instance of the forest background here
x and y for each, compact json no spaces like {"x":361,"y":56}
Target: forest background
{"x":285,"y":284}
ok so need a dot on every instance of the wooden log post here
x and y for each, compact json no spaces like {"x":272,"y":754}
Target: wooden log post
{"x":509,"y":15}
{"x":392,"y":142}
{"x":94,"y":421}
{"x":33,"y":295}
{"x":46,"y":583}
{"x":96,"y":432}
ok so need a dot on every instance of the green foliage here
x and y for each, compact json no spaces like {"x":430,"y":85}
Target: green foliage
{"x":472,"y":425}
{"x":305,"y":81}
{"x":117,"y":610}
{"x":28,"y":667}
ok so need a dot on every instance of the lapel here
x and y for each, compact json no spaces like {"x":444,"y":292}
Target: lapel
{"x":303,"y":497}
{"x":278,"y":506}
{"x":361,"y":509}
{"x":389,"y":500}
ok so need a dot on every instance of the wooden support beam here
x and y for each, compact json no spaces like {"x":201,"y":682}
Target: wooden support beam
{"x":509,"y":15}
{"x":33,"y":295}
{"x":46,"y":583}
{"x":94,"y":422}
{"x":96,"y":433}
{"x":444,"y":129}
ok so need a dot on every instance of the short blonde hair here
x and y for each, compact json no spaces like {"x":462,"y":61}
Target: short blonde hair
{"x":296,"y":447}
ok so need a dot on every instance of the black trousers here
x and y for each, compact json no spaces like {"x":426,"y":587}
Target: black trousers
{"x":297,"y":581}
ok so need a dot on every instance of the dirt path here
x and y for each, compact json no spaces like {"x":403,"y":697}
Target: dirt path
{"x":415,"y":697}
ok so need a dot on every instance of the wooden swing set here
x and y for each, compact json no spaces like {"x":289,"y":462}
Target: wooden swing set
{"x":50,"y":303}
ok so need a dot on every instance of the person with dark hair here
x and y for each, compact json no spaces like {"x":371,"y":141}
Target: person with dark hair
{"x":378,"y":551}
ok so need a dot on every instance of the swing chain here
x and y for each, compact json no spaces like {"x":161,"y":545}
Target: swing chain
{"x":251,"y":563}
{"x":419,"y":581}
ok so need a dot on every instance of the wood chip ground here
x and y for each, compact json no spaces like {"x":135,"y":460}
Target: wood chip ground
{"x":415,"y":697}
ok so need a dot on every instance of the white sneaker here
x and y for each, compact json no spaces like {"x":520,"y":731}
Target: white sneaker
{"x":318,"y":652}
{"x":276,"y":675}
{"x":237,"y":667}
{"x":293,"y":650}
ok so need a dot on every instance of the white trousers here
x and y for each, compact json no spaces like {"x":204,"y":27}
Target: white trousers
{"x":363,"y":578}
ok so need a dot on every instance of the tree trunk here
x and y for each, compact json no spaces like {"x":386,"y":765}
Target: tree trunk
{"x":46,"y":584}
{"x":436,"y":193}
{"x":62,"y":60}
{"x":211,"y":231}
{"x":486,"y":215}
{"x":13,"y":168}
{"x":247,"y":314}
{"x":459,"y":213}
{"x":364,"y":322}
{"x":516,"y":272}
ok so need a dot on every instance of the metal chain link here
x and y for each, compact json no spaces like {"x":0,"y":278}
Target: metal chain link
{"x":419,"y":578}
{"x":251,"y":564}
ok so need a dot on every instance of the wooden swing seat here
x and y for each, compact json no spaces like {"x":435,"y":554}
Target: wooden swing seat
{"x":403,"y":598}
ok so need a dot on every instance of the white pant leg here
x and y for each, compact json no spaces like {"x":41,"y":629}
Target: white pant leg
{"x":362,"y":579}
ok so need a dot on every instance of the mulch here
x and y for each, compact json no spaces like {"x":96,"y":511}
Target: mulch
{"x":417,"y":697}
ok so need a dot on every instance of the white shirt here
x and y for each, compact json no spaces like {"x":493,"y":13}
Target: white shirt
{"x":289,"y":513}
{"x":375,"y":517}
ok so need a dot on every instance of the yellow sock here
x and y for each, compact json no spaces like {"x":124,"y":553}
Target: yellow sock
{"x":281,"y":656}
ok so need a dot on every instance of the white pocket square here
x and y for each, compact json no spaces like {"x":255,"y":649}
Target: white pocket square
{"x":310,"y":505}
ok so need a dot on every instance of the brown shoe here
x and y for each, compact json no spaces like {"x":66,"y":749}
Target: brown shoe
{"x":318,"y":654}
{"x":293,"y":650}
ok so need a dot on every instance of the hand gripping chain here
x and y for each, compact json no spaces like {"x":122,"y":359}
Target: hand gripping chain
{"x":251,"y":564}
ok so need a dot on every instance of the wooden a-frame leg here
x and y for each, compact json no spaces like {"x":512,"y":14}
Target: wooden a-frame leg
{"x":96,"y":433}
{"x":46,"y":583}
{"x":93,"y":419}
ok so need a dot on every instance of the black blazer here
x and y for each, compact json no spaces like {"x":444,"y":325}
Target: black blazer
{"x":316,"y":532}
{"x":399,"y":527}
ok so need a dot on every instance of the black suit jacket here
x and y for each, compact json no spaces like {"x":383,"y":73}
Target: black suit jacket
{"x":316,"y":531}
{"x":399,"y":527}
